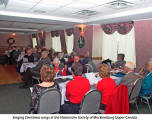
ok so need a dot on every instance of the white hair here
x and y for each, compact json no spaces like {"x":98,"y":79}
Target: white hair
{"x":130,"y":65}
{"x":45,"y":52}
{"x":150,"y":61}
{"x":56,"y":60}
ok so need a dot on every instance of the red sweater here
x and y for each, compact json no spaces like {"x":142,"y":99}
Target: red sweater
{"x":118,"y":101}
{"x":58,"y":70}
{"x":106,"y":86}
{"x":76,"y":89}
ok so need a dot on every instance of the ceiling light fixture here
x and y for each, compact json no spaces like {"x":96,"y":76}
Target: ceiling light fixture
{"x":39,"y":11}
{"x":86,"y":13}
{"x":118,"y":4}
{"x":4,"y":2}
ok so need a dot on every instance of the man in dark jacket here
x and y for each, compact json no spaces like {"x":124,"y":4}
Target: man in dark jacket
{"x":35,"y":71}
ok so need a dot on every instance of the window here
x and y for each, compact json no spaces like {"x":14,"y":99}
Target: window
{"x":117,"y":43}
{"x":56,"y":44}
{"x":34,"y":42}
{"x":69,"y":43}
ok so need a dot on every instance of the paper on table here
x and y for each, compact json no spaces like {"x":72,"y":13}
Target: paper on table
{"x":92,"y":78}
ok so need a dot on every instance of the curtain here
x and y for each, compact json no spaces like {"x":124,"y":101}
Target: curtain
{"x":34,"y":42}
{"x":56,"y":44}
{"x":63,"y":41}
{"x":36,"y":39}
{"x":69,"y":31}
{"x":60,"y":33}
{"x":42,"y":38}
{"x":122,"y":28}
{"x":116,"y":43}
{"x":109,"y":46}
{"x":48,"y":41}
{"x":126,"y":45}
{"x":69,"y":43}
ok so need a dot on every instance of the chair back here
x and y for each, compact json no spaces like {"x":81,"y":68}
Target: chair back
{"x":135,"y":89}
{"x":89,"y":68}
{"x":93,"y":66}
{"x":50,"y":102}
{"x":91,"y":102}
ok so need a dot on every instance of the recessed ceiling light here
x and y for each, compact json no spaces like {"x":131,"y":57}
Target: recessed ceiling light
{"x":4,"y":2}
{"x":118,"y":4}
{"x":39,"y":11}
{"x":86,"y":13}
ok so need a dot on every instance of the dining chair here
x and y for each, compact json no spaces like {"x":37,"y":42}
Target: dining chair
{"x":135,"y":93}
{"x":91,"y":102}
{"x":50,"y":102}
{"x":145,"y":99}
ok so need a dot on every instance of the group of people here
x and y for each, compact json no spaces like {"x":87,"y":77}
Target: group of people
{"x":79,"y":86}
{"x":49,"y":64}
{"x":61,"y":62}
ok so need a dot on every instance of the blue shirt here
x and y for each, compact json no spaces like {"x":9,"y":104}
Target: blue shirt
{"x":146,"y":87}
{"x":86,"y":60}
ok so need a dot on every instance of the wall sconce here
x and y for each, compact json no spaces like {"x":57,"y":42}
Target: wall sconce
{"x":82,"y":29}
{"x":13,"y":34}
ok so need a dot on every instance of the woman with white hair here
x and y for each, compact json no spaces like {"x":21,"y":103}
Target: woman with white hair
{"x":146,"y":88}
{"x":59,"y":68}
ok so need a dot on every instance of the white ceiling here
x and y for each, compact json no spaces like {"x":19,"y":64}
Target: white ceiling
{"x":60,"y":14}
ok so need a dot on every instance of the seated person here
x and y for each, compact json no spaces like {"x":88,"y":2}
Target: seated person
{"x":86,"y":58}
{"x":36,"y":55}
{"x":146,"y":87}
{"x":77,"y":60}
{"x":75,"y":90}
{"x":29,"y":56}
{"x":120,"y":62}
{"x":35,"y":71}
{"x":13,"y":55}
{"x":143,"y":71}
{"x":106,"y":85}
{"x":69,"y":62}
{"x":47,"y":76}
{"x":130,"y":77}
{"x":58,"y":68}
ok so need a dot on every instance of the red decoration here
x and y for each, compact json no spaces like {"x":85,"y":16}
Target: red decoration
{"x":122,"y":28}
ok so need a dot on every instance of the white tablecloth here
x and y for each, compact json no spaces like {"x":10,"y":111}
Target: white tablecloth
{"x":25,"y":66}
{"x":92,"y":77}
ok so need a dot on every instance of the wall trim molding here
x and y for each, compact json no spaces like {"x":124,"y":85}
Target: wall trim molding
{"x":96,"y":58}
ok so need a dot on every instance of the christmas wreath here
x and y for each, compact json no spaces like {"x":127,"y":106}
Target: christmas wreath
{"x":81,"y":42}
{"x":10,"y":41}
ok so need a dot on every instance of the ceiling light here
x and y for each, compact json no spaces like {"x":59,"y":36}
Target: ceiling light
{"x":118,"y":4}
{"x":4,"y":2}
{"x":86,"y":13}
{"x":39,"y":11}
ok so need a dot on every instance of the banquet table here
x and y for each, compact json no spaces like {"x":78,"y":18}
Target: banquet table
{"x":92,"y":77}
{"x":25,"y":66}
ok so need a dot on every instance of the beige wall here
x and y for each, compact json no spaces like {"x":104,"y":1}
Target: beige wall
{"x":20,"y":40}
